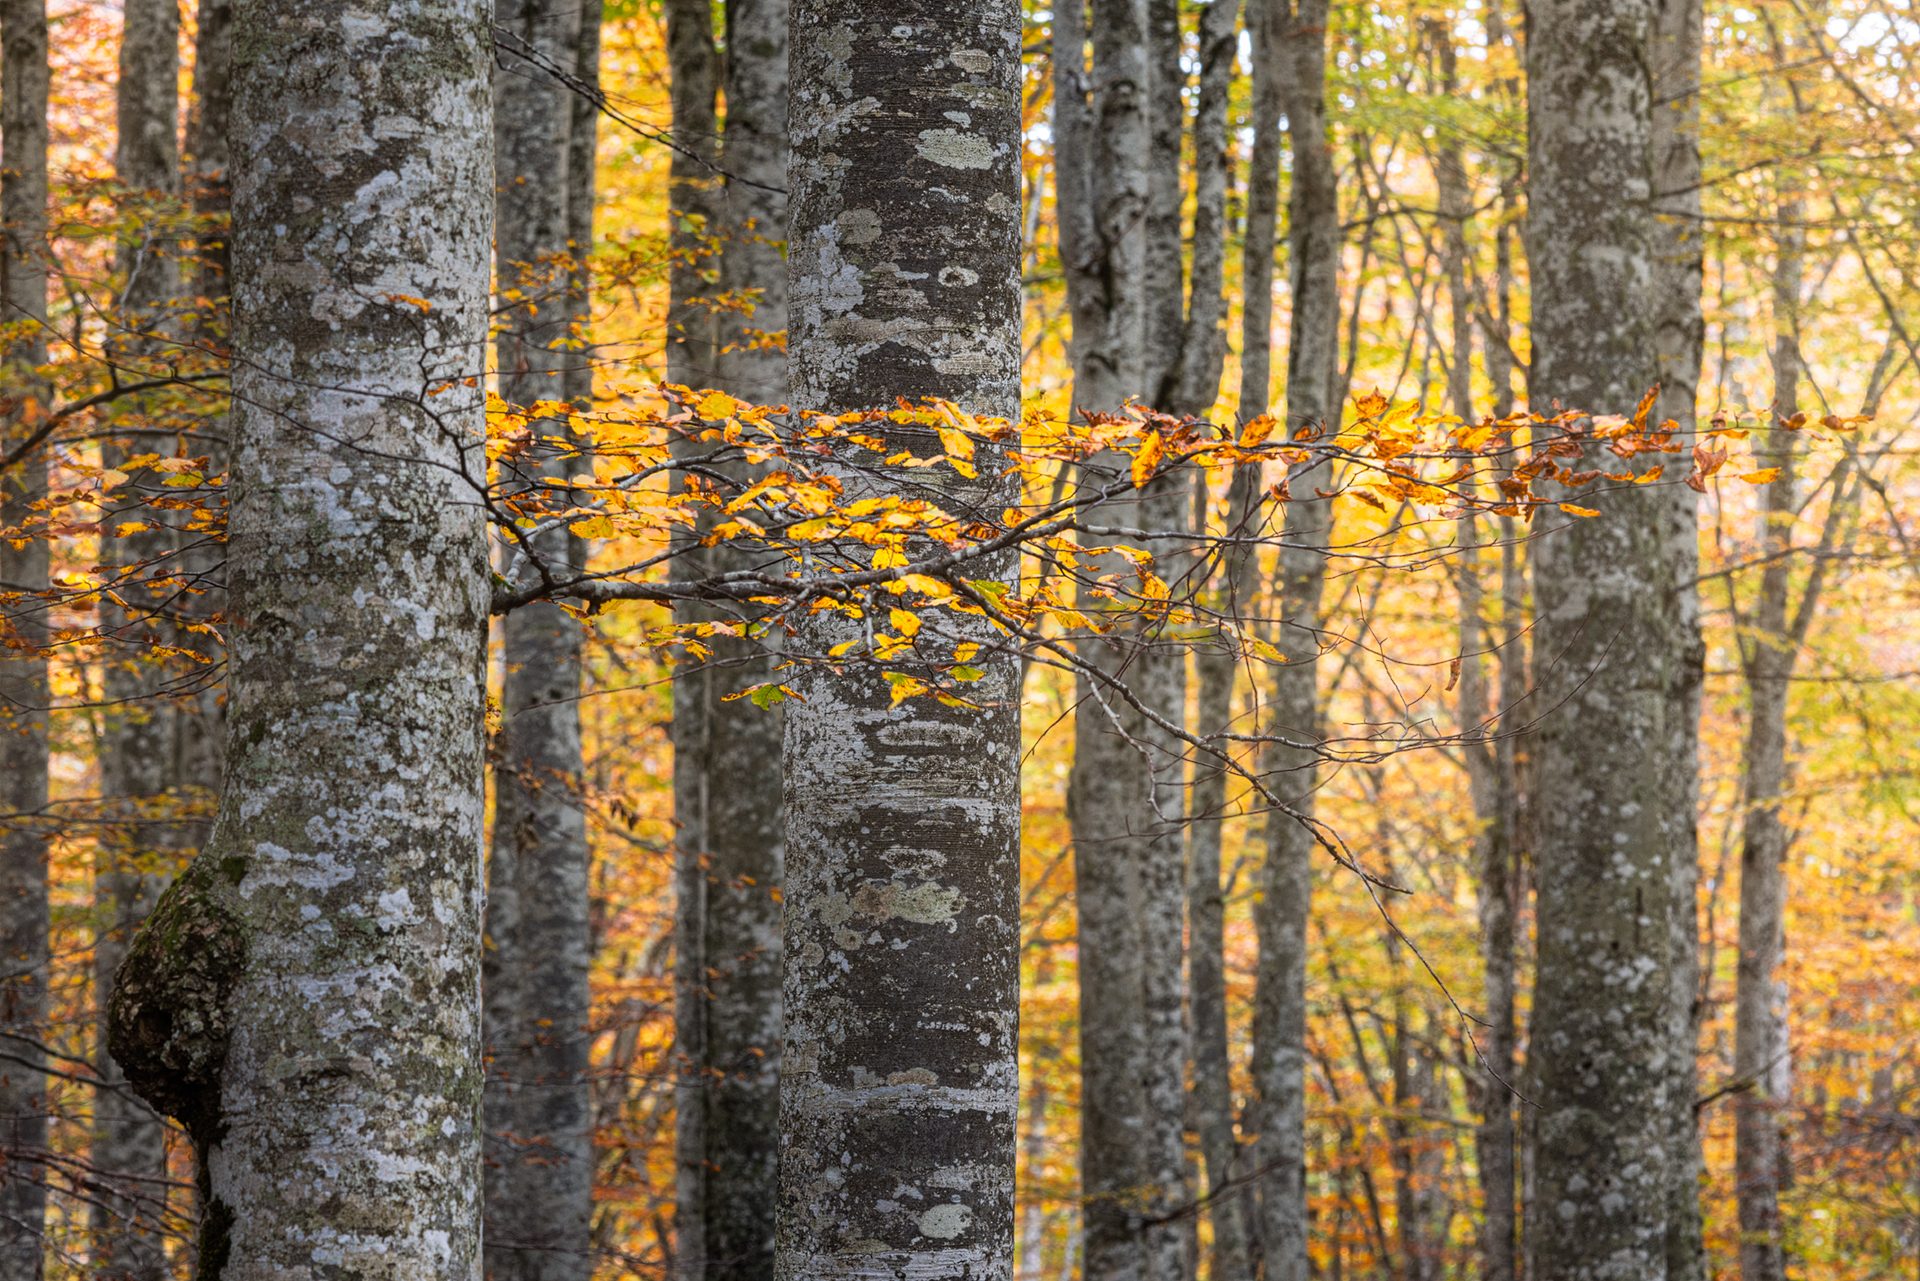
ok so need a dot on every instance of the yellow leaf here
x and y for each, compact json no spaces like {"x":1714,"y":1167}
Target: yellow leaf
{"x":889,"y":558}
{"x":955,"y":443}
{"x":904,"y":622}
{"x":598,"y":527}
{"x":131,"y":527}
{"x":716,"y":405}
{"x":111,"y":478}
{"x":1147,"y":460}
{"x":1572,"y":510}
{"x":1762,"y":476}
{"x":1257,"y":430}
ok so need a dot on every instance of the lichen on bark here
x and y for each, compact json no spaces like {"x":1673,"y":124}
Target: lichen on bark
{"x":900,"y":1080}
{"x":306,"y":998}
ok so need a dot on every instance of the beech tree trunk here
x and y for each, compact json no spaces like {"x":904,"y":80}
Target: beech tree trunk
{"x":24,"y":693}
{"x":899,"y":1088}
{"x":1617,"y":662}
{"x":692,"y":183}
{"x":1759,"y":1040}
{"x":1679,"y":336}
{"x":1216,"y":668}
{"x":538,"y":1006}
{"x":1118,"y":196}
{"x":305,"y":998}
{"x":727,"y":750}
{"x":1280,"y":912}
{"x":144,"y":741}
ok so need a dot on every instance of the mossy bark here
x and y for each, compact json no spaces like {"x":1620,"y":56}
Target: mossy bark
{"x":306,"y":997}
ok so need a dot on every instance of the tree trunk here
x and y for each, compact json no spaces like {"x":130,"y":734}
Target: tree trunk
{"x":727,"y":751}
{"x":1615,"y":643}
{"x":694,"y":68}
{"x":1101,"y":195}
{"x":1280,"y":913}
{"x":24,"y":693}
{"x":1263,"y":210}
{"x":306,"y":996}
{"x":1203,"y":342}
{"x":1163,"y":274}
{"x":140,"y":757}
{"x":1759,"y":1042}
{"x":1679,"y":336}
{"x":1196,"y":385}
{"x":583,"y":157}
{"x":692,"y":181}
{"x":207,"y":152}
{"x":752,"y":363}
{"x":1216,"y":668}
{"x":899,"y":1089}
{"x":538,"y":1006}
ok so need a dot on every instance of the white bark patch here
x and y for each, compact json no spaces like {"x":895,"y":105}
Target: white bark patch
{"x":954,"y":149}
{"x":927,"y":903}
{"x":946,"y":1221}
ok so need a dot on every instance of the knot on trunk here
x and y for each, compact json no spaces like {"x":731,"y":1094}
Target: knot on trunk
{"x":167,"y":1022}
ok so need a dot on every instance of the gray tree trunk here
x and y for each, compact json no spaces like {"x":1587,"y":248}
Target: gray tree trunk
{"x":1195,"y":379}
{"x":141,"y":747}
{"x":726,"y":750}
{"x":539,"y":1111}
{"x":207,"y":152}
{"x":1759,"y":1040}
{"x":583,"y":154}
{"x":899,"y":1089}
{"x":306,"y":997}
{"x":1120,"y":172}
{"x":1679,"y":335}
{"x":1196,"y":384}
{"x":1101,"y":193}
{"x":1215,"y":668}
{"x":754,"y":157}
{"x":692,"y":185}
{"x":1617,"y":648}
{"x":1299,"y":38}
{"x":23,"y":672}
{"x":1263,"y":210}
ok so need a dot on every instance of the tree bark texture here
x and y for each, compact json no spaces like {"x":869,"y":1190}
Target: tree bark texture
{"x":208,"y":157}
{"x":1263,"y":210}
{"x":1679,"y":337}
{"x":1101,"y":194}
{"x":692,"y":185}
{"x":1125,"y":803}
{"x":145,"y":755}
{"x":899,"y":1087}
{"x":1280,"y":912}
{"x":1195,"y":380}
{"x":1216,"y":669}
{"x":1617,"y":648}
{"x":539,"y":1113}
{"x":305,"y":997}
{"x":727,"y":750}
{"x":752,"y":362}
{"x":1759,"y":1040}
{"x":583,"y":158}
{"x":24,"y":693}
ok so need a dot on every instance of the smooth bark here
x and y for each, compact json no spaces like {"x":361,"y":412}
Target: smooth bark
{"x":538,"y":1112}
{"x":1195,"y":381}
{"x":1263,"y":209}
{"x":752,"y":360}
{"x":1280,"y":911}
{"x":306,"y":996}
{"x":24,"y":693}
{"x":899,"y":1086}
